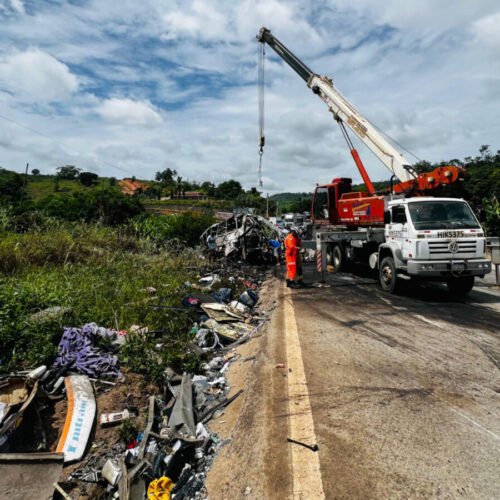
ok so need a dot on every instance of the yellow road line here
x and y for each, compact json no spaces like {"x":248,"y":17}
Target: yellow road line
{"x":307,"y":483}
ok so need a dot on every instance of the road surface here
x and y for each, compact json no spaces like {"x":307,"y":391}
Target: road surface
{"x":400,"y":393}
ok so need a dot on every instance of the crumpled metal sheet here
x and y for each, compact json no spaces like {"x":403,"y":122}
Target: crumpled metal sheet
{"x":182,"y":417}
{"x":222,"y":312}
{"x":242,"y":235}
{"x":16,"y":394}
{"x":29,"y":475}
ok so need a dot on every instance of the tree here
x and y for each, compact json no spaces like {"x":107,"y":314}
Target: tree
{"x":154,"y":191}
{"x":68,"y":172}
{"x":423,"y":166}
{"x":178,"y":186}
{"x":166,"y":177}
{"x":208,"y":188}
{"x":107,"y":205}
{"x":491,"y":210}
{"x":484,"y":151}
{"x":229,"y":190}
{"x":88,"y":178}
{"x":12,"y":188}
{"x":35,"y":171}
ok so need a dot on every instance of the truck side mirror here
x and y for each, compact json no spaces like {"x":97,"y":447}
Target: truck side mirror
{"x":387,"y":217}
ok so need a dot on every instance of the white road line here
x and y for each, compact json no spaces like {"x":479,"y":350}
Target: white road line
{"x":469,"y":419}
{"x":433,"y":323}
{"x":307,"y":482}
{"x":398,"y":308}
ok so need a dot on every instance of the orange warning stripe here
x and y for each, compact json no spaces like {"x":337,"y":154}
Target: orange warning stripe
{"x":69,"y":414}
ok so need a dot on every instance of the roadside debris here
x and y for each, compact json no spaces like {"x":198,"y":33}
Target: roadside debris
{"x":77,"y":351}
{"x":48,"y":314}
{"x":79,"y":418}
{"x":162,"y":446}
{"x":108,"y":419}
{"x":313,"y":447}
{"x":16,"y":395}
{"x":244,"y":237}
{"x":29,"y":475}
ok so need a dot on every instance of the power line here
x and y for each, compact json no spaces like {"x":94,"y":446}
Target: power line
{"x":387,"y":136}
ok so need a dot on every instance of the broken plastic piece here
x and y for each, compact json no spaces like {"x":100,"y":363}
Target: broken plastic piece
{"x":240,"y":307}
{"x":160,"y":489}
{"x":108,"y":419}
{"x":112,"y":471}
{"x":37,"y":373}
{"x":249,"y":298}
{"x":79,"y":418}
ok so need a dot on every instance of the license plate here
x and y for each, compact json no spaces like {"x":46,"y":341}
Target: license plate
{"x":457,"y":266}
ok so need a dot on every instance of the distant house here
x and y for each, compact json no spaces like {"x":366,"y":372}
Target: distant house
{"x":131,"y":187}
{"x":190,"y":195}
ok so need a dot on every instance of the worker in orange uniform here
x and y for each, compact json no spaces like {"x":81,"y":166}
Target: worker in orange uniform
{"x":293,"y":259}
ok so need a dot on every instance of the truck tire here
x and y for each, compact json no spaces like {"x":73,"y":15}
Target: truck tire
{"x":460,"y":286}
{"x":334,"y":258}
{"x":387,"y":275}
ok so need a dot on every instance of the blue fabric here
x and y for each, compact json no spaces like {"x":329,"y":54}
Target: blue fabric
{"x":77,"y":352}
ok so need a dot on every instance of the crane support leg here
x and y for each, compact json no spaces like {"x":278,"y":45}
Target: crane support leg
{"x":362,"y":171}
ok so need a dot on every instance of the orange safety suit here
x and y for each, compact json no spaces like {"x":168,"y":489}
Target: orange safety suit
{"x":292,"y":256}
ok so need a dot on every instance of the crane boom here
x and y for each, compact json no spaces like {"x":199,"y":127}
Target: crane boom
{"x":343,"y":111}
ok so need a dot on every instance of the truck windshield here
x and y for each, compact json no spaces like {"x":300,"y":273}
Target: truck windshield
{"x":442,"y":215}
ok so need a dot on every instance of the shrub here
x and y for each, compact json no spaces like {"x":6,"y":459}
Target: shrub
{"x":186,"y":227}
{"x":107,"y":205}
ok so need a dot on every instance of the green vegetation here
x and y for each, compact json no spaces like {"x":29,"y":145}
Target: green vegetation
{"x":106,"y":204}
{"x":101,"y":274}
{"x":292,"y":202}
{"x":12,"y":188}
{"x":185,"y":228}
{"x":41,"y":186}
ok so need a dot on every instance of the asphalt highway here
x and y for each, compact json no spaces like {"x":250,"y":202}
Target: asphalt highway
{"x":404,"y":389}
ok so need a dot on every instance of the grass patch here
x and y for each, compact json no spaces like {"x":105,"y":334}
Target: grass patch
{"x":100,"y":275}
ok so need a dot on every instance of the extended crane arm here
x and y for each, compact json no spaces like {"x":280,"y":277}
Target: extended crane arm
{"x":343,"y":111}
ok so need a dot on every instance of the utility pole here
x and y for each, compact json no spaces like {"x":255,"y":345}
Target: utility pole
{"x":267,"y":205}
{"x":26,"y":174}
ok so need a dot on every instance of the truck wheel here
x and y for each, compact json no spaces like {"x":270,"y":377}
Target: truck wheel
{"x":334,"y":258}
{"x":387,"y":275}
{"x":460,"y":286}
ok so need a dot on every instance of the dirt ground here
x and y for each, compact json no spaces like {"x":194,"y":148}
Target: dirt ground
{"x":254,"y":462}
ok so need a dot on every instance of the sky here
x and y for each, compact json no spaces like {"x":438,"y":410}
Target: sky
{"x":129,"y":87}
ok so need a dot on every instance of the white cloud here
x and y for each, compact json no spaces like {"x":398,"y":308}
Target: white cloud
{"x":421,"y":15}
{"x":202,"y":20}
{"x":34,"y":75}
{"x":129,"y":112}
{"x":18,"y":6}
{"x":487,"y":32}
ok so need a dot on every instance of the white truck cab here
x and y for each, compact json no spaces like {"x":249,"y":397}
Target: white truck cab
{"x":434,"y":238}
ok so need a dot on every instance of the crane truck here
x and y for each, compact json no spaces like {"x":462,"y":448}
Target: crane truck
{"x":405,"y":232}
